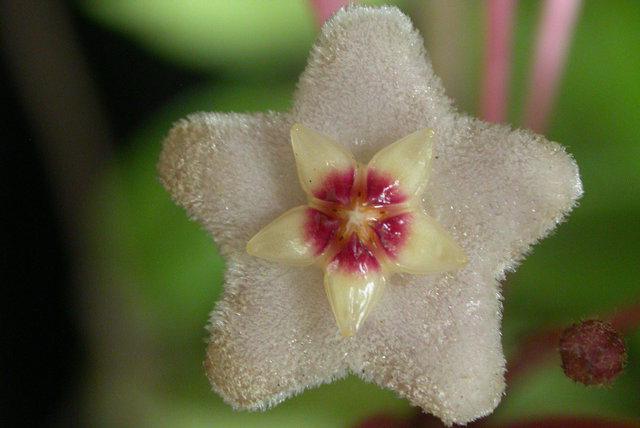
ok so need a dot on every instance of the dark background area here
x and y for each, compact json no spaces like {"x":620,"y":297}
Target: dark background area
{"x":44,"y":350}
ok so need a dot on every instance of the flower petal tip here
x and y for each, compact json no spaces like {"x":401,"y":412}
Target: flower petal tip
{"x":284,"y":240}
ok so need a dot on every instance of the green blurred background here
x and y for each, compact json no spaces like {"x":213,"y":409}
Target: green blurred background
{"x":151,"y":276}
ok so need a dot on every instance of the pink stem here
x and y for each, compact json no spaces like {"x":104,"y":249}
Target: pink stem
{"x":554,"y":34}
{"x":324,"y":9}
{"x":497,"y":62}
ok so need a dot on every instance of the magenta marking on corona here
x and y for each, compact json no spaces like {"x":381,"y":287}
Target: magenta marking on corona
{"x":320,"y":228}
{"x":356,"y":257}
{"x":383,"y":189}
{"x":336,"y":187}
{"x":393,"y":233}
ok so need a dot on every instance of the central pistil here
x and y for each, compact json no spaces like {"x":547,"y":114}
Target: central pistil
{"x":358,"y":217}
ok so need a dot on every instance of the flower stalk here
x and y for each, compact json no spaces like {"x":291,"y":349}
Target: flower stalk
{"x":554,"y":35}
{"x":497,"y":62}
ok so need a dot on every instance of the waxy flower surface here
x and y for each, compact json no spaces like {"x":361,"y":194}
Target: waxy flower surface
{"x":361,"y":223}
{"x":433,"y":334}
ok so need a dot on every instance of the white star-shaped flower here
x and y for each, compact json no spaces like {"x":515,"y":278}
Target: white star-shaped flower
{"x":433,"y":334}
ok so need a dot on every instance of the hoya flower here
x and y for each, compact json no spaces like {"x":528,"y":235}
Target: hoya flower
{"x":430,"y":331}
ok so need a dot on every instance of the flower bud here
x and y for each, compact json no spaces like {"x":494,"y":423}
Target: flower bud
{"x":592,"y":352}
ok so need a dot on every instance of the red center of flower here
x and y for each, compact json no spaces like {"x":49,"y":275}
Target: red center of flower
{"x":356,"y":219}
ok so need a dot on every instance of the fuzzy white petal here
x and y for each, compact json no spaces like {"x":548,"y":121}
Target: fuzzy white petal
{"x":228,"y":171}
{"x":436,"y":342}
{"x":501,"y":190}
{"x":367,"y":83}
{"x":272,"y":335}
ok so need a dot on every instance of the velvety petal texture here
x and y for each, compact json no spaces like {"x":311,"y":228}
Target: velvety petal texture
{"x":433,"y":338}
{"x":273,"y":334}
{"x":227,"y":170}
